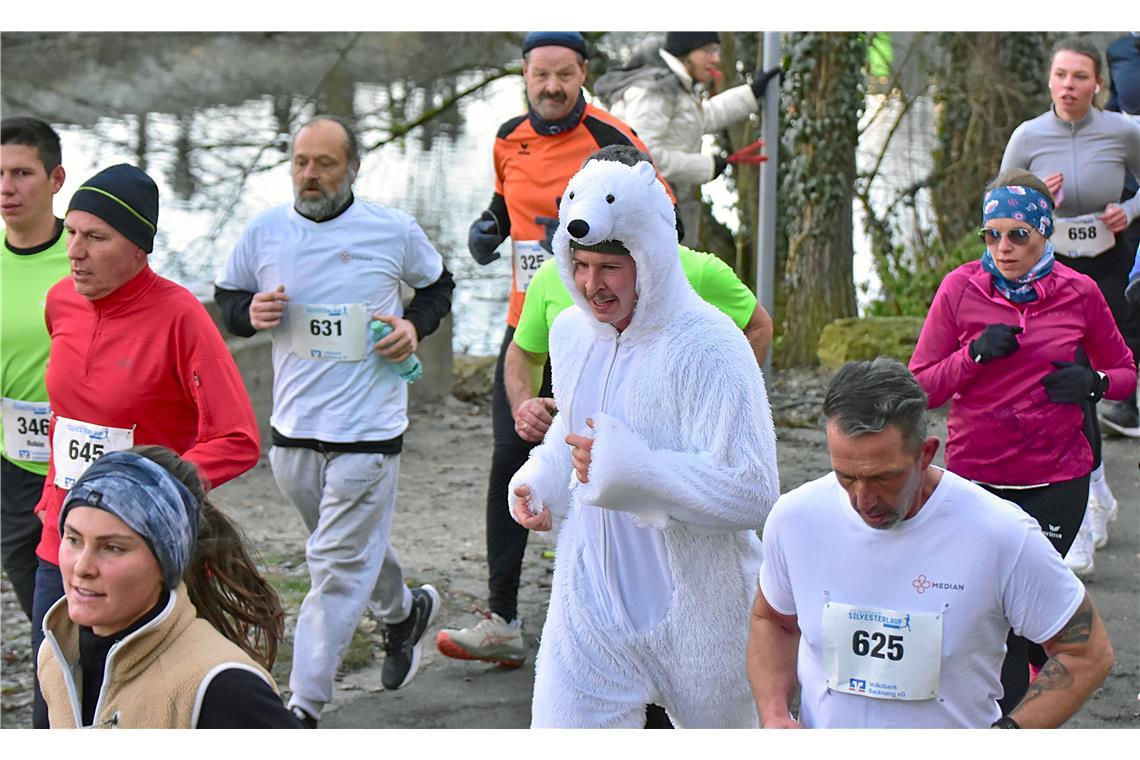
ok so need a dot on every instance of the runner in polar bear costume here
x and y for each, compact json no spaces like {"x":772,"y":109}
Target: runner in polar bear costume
{"x":657,"y":552}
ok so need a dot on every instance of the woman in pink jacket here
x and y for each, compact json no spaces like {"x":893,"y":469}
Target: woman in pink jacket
{"x":1009,"y":340}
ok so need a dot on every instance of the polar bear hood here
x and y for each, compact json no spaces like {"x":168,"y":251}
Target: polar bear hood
{"x":609,"y":201}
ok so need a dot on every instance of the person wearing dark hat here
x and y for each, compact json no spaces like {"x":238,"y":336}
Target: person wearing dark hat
{"x":661,"y":92}
{"x":134,"y":359}
{"x":137,"y":543}
{"x":33,"y":257}
{"x":535,"y":154}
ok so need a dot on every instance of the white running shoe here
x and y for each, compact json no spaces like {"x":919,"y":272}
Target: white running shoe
{"x":1080,"y":556}
{"x":1103,"y":513}
{"x":492,"y":639}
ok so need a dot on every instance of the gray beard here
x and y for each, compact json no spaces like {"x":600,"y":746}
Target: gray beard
{"x":327,"y":204}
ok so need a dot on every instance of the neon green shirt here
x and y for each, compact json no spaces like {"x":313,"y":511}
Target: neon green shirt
{"x":25,"y":279}
{"x":713,"y":280}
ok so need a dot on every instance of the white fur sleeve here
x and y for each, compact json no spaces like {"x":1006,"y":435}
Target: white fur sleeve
{"x":626,"y":474}
{"x":547,"y":472}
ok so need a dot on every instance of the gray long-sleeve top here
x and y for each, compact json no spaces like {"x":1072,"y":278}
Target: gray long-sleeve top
{"x":1092,"y":154}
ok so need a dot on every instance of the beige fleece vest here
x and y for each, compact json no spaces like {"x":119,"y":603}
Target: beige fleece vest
{"x":155,"y":678}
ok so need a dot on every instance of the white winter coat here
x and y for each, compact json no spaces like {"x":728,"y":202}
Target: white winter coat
{"x":697,"y":459}
{"x":671,"y":117}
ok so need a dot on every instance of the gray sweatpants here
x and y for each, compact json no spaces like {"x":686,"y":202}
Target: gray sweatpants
{"x":347,"y":501}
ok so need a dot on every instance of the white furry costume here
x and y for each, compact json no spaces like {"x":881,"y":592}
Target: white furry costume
{"x":696,"y":461}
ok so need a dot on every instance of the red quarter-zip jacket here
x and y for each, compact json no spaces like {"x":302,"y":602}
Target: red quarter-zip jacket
{"x":147,"y":357}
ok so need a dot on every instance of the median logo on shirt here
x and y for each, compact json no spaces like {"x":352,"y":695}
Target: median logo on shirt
{"x":922,"y":584}
{"x":346,"y":257}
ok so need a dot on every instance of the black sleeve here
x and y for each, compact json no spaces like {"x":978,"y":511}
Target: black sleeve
{"x":430,"y":305}
{"x":239,"y":699}
{"x":235,"y":310}
{"x":498,"y":209}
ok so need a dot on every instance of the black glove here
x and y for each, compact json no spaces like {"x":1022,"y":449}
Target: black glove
{"x":484,"y":237}
{"x":1073,"y":383}
{"x":995,"y":342}
{"x":719,"y":165}
{"x":761,"y":78}
{"x":550,"y":225}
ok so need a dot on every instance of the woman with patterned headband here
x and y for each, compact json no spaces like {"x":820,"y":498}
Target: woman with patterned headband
{"x":1000,"y":343}
{"x":1084,"y":155}
{"x":143,"y":554}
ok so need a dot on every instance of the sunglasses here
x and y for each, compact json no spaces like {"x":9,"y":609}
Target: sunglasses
{"x":1017,"y":236}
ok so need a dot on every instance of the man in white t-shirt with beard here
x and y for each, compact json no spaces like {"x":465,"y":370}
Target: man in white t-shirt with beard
{"x":314,"y":274}
{"x":889,"y":586}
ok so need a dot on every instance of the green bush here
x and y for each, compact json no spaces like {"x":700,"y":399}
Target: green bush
{"x":910,"y":279}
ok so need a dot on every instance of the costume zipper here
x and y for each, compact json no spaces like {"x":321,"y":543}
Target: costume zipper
{"x":605,"y":512}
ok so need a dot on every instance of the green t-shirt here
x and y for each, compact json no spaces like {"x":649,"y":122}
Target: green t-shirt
{"x":25,"y":279}
{"x":713,"y":280}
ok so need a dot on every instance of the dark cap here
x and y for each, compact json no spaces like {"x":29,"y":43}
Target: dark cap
{"x":603,"y":246}
{"x":683,"y":43}
{"x":124,"y":197}
{"x":572,"y":40}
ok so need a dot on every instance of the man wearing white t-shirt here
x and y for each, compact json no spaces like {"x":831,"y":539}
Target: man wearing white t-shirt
{"x":889,"y":586}
{"x":314,"y":274}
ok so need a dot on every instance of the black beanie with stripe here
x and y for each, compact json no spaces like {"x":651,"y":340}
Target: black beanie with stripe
{"x":124,"y":197}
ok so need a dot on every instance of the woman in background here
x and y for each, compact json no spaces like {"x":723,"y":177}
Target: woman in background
{"x":1000,"y":342}
{"x":1083,"y":154}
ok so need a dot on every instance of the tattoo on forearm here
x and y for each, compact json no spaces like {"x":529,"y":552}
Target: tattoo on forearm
{"x":1054,"y":676}
{"x":1077,"y":630}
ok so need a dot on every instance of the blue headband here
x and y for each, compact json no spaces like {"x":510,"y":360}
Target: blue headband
{"x":1021,"y":203}
{"x":151,"y":501}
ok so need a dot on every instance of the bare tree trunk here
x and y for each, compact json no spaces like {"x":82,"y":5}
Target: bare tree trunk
{"x":826,"y":98}
{"x":991,"y":83}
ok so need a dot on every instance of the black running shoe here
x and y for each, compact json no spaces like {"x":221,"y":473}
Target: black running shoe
{"x":402,"y":640}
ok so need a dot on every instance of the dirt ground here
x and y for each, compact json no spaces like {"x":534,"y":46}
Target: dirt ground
{"x":439,"y":532}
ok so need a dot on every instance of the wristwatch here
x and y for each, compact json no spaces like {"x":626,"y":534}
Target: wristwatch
{"x":1102,"y":386}
{"x":1004,"y":722}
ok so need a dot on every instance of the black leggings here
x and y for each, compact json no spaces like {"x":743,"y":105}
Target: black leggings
{"x":1058,"y":508}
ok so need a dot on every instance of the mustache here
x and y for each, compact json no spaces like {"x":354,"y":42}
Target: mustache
{"x":560,"y":97}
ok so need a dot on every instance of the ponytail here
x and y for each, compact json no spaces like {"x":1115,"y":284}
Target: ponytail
{"x":222,"y":579}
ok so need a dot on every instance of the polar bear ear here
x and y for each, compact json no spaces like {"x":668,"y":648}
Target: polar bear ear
{"x":647,"y":172}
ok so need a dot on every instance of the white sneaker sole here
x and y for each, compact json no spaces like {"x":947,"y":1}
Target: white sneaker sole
{"x":1130,"y":432}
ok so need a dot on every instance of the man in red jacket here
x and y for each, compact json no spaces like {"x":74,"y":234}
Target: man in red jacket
{"x":135,"y":359}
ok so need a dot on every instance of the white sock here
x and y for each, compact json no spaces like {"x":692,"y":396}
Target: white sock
{"x":1098,"y":485}
{"x":313,"y":708}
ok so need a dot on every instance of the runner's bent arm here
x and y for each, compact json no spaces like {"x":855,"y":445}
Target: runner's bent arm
{"x":1080,"y":658}
{"x":430,"y":305}
{"x":758,"y":331}
{"x":234,"y":305}
{"x":522,"y":376}
{"x":940,"y":363}
{"x":773,"y":642}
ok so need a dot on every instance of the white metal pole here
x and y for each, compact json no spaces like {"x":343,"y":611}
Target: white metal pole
{"x":766,"y":237}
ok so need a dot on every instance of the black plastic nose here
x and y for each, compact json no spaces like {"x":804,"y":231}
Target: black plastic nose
{"x":578,"y":228}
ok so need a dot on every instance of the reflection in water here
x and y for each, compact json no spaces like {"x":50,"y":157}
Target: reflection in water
{"x":208,"y":116}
